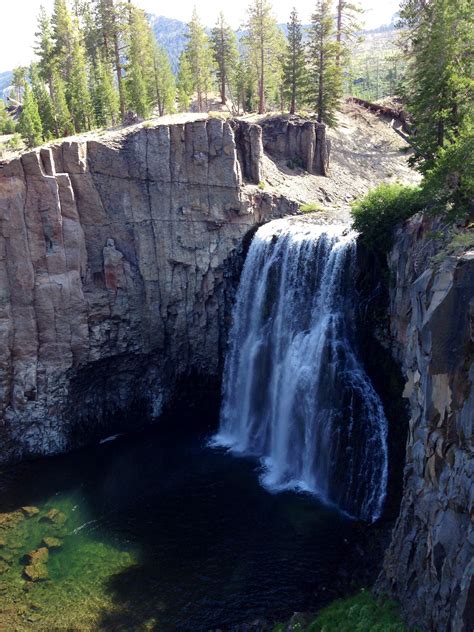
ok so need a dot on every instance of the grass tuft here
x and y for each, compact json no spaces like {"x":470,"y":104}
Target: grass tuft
{"x":310,"y":207}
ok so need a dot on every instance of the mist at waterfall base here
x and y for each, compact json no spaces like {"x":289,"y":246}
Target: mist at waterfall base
{"x":295,"y":392}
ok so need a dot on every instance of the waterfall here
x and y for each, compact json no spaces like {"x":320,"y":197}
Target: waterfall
{"x":295,"y":393}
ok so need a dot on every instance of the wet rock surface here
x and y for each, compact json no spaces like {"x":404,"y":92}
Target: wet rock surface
{"x":429,"y":565}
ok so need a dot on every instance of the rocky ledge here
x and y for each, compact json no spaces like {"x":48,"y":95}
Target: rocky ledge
{"x":429,"y":565}
{"x":117,"y":267}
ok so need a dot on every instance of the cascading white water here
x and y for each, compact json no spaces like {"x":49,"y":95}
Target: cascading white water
{"x":295,"y":392}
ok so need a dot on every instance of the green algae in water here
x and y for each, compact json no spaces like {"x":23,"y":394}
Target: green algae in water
{"x":79,"y":565}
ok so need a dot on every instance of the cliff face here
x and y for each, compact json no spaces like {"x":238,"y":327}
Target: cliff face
{"x":116,"y":262}
{"x":429,"y":566}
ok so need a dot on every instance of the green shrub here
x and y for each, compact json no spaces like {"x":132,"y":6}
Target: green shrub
{"x":361,"y":613}
{"x":376,"y":215}
{"x":261,"y":185}
{"x":15,"y":142}
{"x":310,"y":207}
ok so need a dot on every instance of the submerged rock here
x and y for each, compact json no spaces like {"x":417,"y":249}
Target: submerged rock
{"x":54,"y":516}
{"x":10,"y":519}
{"x":36,"y":569}
{"x":52,"y":543}
{"x":40,"y":555}
{"x":36,"y":572}
{"x":29,"y":512}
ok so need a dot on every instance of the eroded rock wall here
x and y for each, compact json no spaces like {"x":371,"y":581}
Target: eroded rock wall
{"x":429,"y":566}
{"x":117,"y":263}
{"x":297,"y":140}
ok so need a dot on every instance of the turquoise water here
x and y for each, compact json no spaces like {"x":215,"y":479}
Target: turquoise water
{"x":163,"y":533}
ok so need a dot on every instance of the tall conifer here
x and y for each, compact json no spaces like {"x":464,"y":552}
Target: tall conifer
{"x":30,"y":123}
{"x":294,"y":68}
{"x":224,"y":47}
{"x":265,"y":44}
{"x":325,"y":74}
{"x":199,"y":56}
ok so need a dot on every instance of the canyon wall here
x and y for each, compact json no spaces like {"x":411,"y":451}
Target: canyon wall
{"x":117,"y":266}
{"x":429,"y":566}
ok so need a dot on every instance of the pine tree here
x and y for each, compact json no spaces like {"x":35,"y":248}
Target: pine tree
{"x":347,"y":28}
{"x":325,"y":74}
{"x":79,"y":98}
{"x":184,"y":83}
{"x":294,"y":68}
{"x":63,"y":37}
{"x":44,"y":49}
{"x":439,"y":87}
{"x":139,"y":64}
{"x":199,"y":56}
{"x":19,"y":81}
{"x":264,"y":41}
{"x":104,"y":96}
{"x":165,"y":86}
{"x":63,"y":124}
{"x":30,"y":123}
{"x":43,"y":99}
{"x":7,"y":124}
{"x":110,"y":23}
{"x":224,"y":46}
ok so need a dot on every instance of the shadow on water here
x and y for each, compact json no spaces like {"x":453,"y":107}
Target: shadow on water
{"x":166,"y":534}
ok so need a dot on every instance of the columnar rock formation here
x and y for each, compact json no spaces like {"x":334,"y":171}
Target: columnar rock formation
{"x":113,"y":263}
{"x":429,"y":566}
{"x":297,"y":140}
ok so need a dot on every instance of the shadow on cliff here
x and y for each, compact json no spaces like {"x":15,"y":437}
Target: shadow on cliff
{"x":375,"y":344}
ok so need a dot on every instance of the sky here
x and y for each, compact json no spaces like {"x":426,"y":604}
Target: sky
{"x":18,"y":19}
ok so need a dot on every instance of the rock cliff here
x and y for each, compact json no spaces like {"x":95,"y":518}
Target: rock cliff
{"x":429,"y":566}
{"x":116,"y":271}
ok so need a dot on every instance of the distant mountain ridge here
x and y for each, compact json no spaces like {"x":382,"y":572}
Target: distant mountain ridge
{"x":5,"y":81}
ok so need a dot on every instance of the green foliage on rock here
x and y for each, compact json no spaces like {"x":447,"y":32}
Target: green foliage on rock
{"x":360,"y":613}
{"x":377,"y":214}
{"x":310,"y":207}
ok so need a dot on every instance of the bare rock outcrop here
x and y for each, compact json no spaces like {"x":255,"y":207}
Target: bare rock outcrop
{"x":116,"y":271}
{"x":298,"y":140}
{"x":429,"y":565}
